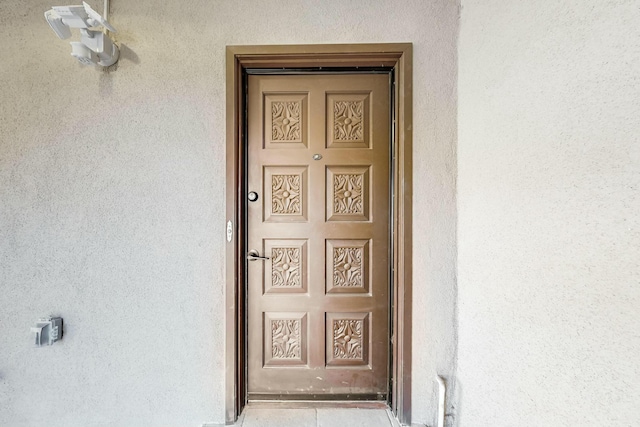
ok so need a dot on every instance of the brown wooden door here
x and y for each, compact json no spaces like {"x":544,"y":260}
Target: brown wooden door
{"x":318,"y":306}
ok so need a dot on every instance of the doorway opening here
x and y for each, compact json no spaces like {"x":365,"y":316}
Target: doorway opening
{"x":281,"y":340}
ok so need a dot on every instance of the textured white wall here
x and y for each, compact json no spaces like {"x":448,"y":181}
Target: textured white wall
{"x":549,"y":225}
{"x":112,"y":192}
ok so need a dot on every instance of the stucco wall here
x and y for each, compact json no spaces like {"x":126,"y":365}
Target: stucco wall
{"x":548,"y":199}
{"x":112,"y":192}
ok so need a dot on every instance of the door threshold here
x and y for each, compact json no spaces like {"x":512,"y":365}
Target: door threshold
{"x":312,"y":404}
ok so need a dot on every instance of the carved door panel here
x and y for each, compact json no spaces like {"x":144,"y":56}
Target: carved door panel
{"x":318,"y":306}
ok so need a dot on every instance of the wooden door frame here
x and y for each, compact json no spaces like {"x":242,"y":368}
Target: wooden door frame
{"x":395,"y":55}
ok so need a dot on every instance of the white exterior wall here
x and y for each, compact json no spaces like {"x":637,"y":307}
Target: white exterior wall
{"x":112,"y":194}
{"x":549,"y":213}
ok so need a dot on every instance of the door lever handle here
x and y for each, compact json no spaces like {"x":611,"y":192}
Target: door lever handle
{"x":253,"y":255}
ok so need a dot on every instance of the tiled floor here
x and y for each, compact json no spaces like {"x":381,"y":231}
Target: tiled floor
{"x":319,"y":417}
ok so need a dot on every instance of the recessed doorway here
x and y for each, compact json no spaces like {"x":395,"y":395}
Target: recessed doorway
{"x":319,"y":221}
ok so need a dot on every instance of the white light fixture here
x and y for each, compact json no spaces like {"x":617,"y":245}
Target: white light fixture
{"x":95,"y":47}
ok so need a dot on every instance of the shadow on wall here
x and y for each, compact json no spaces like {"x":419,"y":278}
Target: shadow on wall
{"x":128,"y":54}
{"x":106,"y":82}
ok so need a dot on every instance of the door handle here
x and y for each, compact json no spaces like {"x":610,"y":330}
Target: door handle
{"x":254,"y":255}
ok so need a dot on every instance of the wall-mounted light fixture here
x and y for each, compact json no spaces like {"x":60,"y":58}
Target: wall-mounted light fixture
{"x":47,"y":330}
{"x":95,"y":46}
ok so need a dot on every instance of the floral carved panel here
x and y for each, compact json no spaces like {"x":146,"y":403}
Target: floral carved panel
{"x":347,"y":266}
{"x":348,"y":120}
{"x":285,"y":338}
{"x":347,"y":194}
{"x":285,"y":120}
{"x":347,"y":338}
{"x":285,"y":190}
{"x":348,"y":191}
{"x":285,"y":267}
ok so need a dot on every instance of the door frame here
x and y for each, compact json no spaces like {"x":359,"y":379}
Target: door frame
{"x":395,"y":55}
